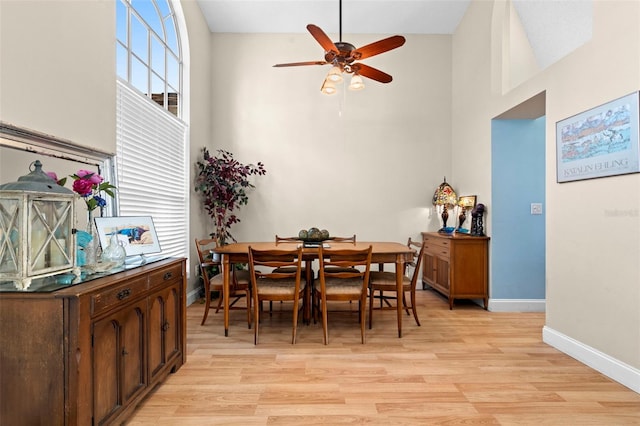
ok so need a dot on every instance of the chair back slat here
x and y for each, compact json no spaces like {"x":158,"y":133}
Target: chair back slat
{"x":264,"y":262}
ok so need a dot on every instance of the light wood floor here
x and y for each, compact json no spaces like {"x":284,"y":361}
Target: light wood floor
{"x":466,"y":366}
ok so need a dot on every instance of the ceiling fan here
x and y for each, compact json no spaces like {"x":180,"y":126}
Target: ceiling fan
{"x":343,"y":56}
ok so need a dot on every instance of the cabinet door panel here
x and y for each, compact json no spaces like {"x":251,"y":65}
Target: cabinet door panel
{"x":442,"y":272}
{"x":106,"y":356}
{"x":118,"y":360}
{"x":164,"y":328}
{"x":171,"y":325}
{"x":133,"y":379}
{"x":428,"y":269}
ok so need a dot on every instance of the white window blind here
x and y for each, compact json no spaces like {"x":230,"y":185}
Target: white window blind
{"x":152,"y":168}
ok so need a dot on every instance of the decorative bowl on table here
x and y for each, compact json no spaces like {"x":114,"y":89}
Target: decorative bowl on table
{"x":313,"y":236}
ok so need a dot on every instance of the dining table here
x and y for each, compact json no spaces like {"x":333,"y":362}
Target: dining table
{"x":382,"y":253}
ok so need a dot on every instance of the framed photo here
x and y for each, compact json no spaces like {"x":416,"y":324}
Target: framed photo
{"x":599,"y":142}
{"x":467,"y":201}
{"x":137,"y":233}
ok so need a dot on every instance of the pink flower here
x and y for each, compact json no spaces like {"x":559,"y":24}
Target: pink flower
{"x":90,"y":176}
{"x":83,"y":186}
{"x":53,"y":175}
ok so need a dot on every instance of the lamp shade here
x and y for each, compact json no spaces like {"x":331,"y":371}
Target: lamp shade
{"x":328,"y":88}
{"x":356,"y":83}
{"x":335,"y":74}
{"x":444,"y":195}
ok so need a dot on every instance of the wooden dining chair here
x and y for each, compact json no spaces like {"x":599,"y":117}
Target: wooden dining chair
{"x":280,"y":239}
{"x":351,"y":239}
{"x":270,"y":285}
{"x":307,"y":275}
{"x":349,"y":285}
{"x":210,"y":270}
{"x":382,"y":285}
{"x":332,"y":269}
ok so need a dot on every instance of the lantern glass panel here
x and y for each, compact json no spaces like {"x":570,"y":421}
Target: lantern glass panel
{"x":51,"y":222}
{"x":10,"y":225}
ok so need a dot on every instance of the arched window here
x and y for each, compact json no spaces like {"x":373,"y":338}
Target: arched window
{"x":148,"y":51}
{"x":151,"y":158}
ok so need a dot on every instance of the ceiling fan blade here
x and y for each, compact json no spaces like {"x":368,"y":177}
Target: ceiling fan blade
{"x":372,"y":73}
{"x":297,"y":64}
{"x":322,"y":38}
{"x":378,"y":47}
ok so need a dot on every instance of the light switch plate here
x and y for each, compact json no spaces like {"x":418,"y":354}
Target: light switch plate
{"x":536,"y":208}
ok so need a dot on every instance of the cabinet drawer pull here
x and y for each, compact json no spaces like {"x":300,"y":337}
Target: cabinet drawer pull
{"x":124,"y":352}
{"x":124,"y":294}
{"x":167,"y":276}
{"x":165,"y":326}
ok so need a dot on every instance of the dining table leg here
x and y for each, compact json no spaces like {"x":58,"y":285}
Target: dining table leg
{"x":399,"y":291}
{"x":226,"y":285}
{"x":307,"y":307}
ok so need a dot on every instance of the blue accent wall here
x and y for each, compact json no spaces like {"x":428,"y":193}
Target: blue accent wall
{"x":517,"y":236}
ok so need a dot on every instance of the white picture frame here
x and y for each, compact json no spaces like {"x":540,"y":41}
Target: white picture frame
{"x":137,"y":234}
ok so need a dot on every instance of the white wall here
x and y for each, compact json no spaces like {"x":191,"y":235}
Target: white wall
{"x":57,"y":69}
{"x":357,"y":162}
{"x":593,"y":273}
{"x":199,"y":74}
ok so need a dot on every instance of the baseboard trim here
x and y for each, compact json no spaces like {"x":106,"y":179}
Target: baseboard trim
{"x":601,"y":362}
{"x":517,"y":305}
{"x":193,"y":295}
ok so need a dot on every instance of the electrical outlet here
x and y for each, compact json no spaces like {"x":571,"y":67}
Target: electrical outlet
{"x":536,"y":208}
{"x":196,"y":268}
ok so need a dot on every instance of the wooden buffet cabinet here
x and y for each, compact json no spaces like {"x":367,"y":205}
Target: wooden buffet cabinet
{"x":456,"y":265}
{"x":88,"y":353}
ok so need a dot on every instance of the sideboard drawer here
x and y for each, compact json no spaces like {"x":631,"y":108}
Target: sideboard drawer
{"x":438,"y":242}
{"x":165,"y":275}
{"x":437,"y":250}
{"x":109,"y":298}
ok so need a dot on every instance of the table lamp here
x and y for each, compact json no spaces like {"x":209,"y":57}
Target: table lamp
{"x":444,"y":196}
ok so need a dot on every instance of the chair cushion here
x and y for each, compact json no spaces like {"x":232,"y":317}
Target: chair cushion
{"x":387,"y":279}
{"x":278,"y":287}
{"x":343,"y":286}
{"x":243,"y":276}
{"x":216,"y":279}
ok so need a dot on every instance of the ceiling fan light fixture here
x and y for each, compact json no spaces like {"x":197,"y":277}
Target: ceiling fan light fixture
{"x":356,"y":83}
{"x":335,"y":74}
{"x":328,"y":88}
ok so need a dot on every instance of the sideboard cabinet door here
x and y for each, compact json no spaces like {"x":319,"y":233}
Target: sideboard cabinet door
{"x":118,"y":360}
{"x":164,"y":328}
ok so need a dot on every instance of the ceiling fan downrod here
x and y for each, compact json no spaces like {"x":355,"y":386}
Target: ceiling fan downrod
{"x":340,"y":23}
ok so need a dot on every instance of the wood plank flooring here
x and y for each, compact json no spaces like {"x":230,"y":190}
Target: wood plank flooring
{"x":461,"y":367}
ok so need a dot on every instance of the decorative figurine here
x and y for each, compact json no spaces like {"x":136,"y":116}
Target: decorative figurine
{"x":477,"y":227}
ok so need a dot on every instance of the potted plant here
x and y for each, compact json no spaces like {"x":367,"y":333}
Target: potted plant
{"x":223,"y":183}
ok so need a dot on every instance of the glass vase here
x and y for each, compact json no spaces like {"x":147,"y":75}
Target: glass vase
{"x":91,"y":249}
{"x":114,"y":252}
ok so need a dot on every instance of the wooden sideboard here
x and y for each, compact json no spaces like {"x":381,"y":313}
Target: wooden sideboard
{"x":456,"y":265}
{"x":87,"y":354}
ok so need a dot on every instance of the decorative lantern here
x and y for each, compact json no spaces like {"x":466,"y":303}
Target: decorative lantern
{"x":444,"y":196}
{"x":37,"y":238}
